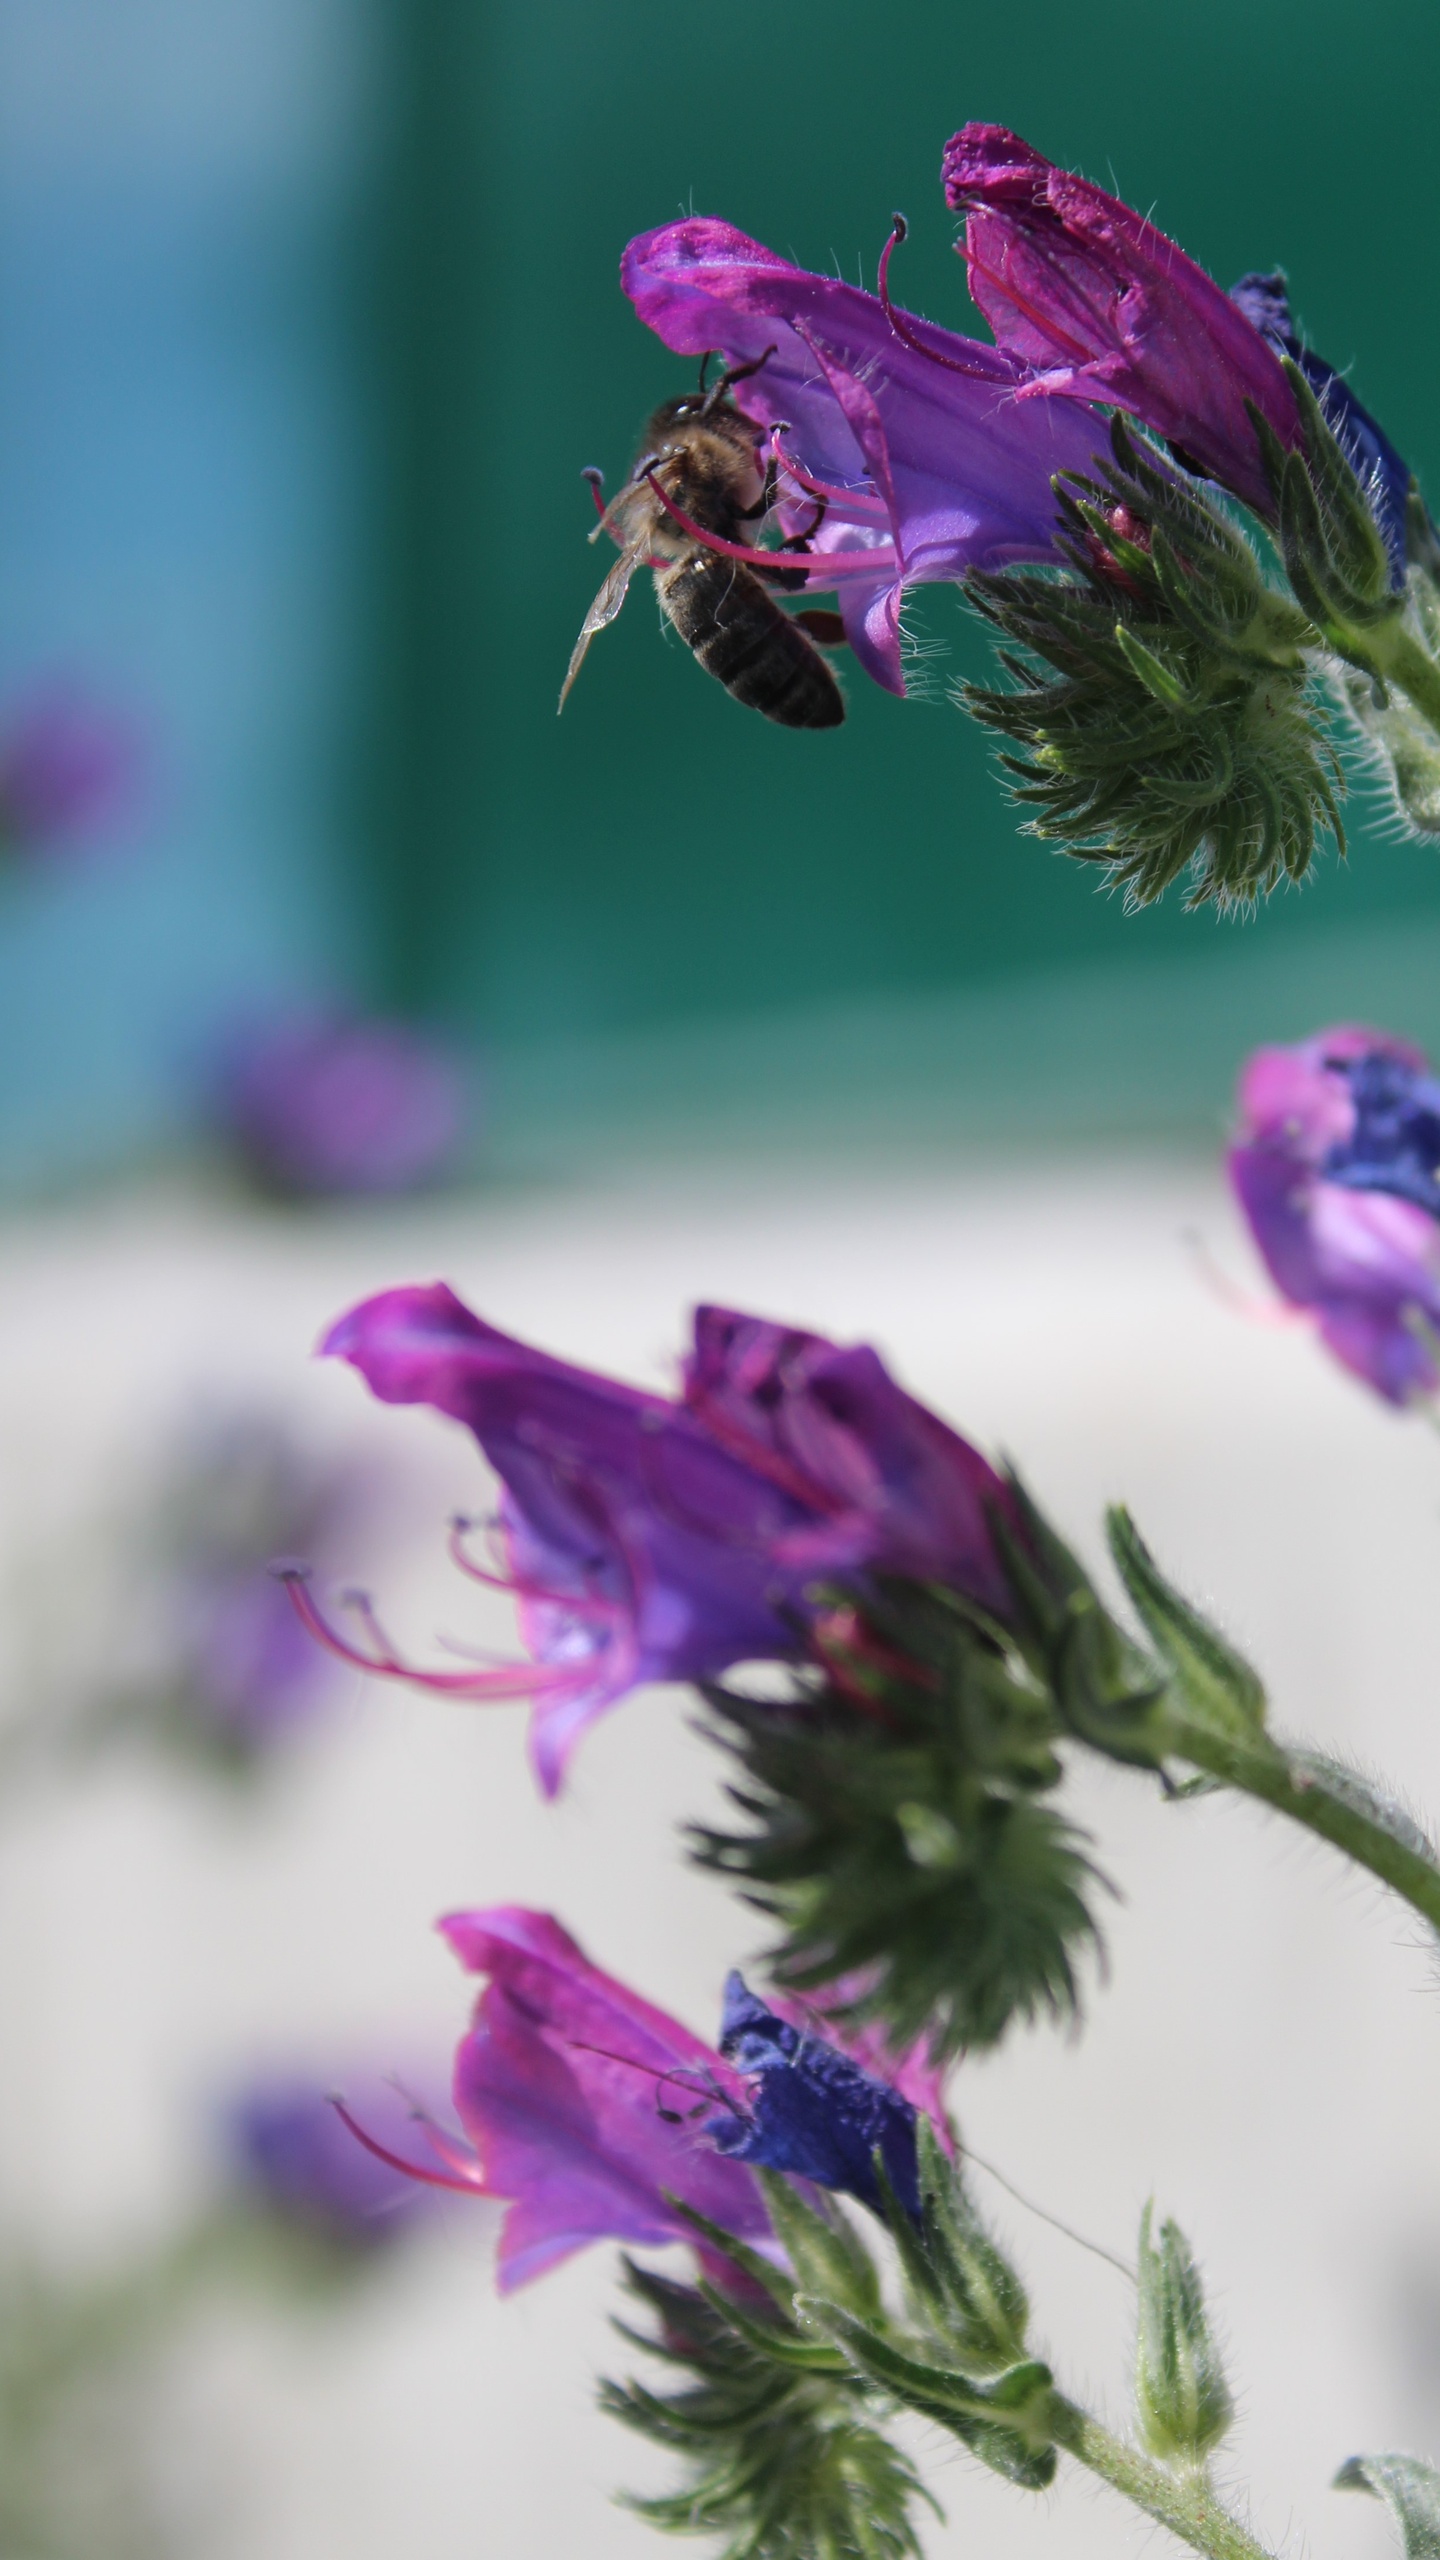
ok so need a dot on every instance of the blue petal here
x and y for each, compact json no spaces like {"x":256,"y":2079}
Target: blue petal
{"x":1383,"y":473}
{"x":814,"y":2114}
{"x":1395,"y":1143}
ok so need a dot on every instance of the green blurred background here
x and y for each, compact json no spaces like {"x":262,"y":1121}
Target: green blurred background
{"x":659,"y":905}
{"x":658,"y":855}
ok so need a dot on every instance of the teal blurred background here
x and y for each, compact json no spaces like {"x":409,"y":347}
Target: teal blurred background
{"x":308,"y":321}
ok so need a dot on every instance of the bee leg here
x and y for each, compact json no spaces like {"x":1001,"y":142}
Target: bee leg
{"x":822,"y":625}
{"x":802,"y":541}
{"x":766,"y":499}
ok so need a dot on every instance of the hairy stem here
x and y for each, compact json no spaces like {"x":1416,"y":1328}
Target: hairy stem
{"x":1262,"y":1769}
{"x":1416,"y":673}
{"x":1184,"y":2501}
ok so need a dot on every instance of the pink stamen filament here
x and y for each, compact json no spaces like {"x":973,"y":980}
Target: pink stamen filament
{"x":821,"y":565}
{"x":517,"y":1587}
{"x":460,"y":2186}
{"x":511,"y":1680}
{"x":900,"y":320}
{"x":1270,"y":1313}
{"x":857,"y":502}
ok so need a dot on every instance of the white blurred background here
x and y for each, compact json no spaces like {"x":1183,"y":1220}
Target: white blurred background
{"x":1264,"y":2055}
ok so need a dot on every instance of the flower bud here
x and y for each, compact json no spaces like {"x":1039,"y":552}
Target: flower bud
{"x":1181,"y":2394}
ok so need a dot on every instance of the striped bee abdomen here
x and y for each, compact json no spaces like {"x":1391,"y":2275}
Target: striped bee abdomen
{"x":741,"y":636}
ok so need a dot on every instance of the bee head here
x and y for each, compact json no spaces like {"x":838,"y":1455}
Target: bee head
{"x":675,"y":422}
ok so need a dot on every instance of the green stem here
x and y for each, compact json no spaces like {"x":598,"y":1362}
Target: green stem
{"x":1414,"y":670}
{"x":1184,"y":2501}
{"x":1323,"y":1805}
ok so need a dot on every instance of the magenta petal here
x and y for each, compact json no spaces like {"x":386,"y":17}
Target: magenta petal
{"x":586,"y":2104}
{"x":1099,"y":305}
{"x":871,"y":616}
{"x":872,"y":627}
{"x":893,"y":1487}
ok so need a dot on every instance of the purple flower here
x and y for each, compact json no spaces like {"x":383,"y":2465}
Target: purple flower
{"x":324,"y":1105}
{"x":586,"y":2106}
{"x":67,"y":769}
{"x":1335,"y":1167}
{"x":1383,"y":473}
{"x":648,"y":1539}
{"x":593,"y":2113}
{"x":910,"y":436}
{"x":1098,"y":305}
{"x":296,"y":2155}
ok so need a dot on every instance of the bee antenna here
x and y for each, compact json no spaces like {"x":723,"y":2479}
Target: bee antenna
{"x":705,"y":366}
{"x":737,"y":373}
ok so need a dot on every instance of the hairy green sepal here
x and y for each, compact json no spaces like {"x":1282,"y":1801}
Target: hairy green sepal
{"x":898,"y":1826}
{"x":959,"y":2356}
{"x":776,"y":2429}
{"x":1385,"y":639}
{"x":1162,"y":706}
{"x":1410,"y":2489}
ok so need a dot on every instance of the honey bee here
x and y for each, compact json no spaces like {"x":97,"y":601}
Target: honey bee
{"x":704,"y":453}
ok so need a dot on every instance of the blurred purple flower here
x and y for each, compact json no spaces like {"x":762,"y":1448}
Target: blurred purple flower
{"x":238,"y":1671}
{"x":1384,"y":474}
{"x":68,"y":769}
{"x":648,"y":1539}
{"x":1097,"y":304}
{"x":1335,"y":1166}
{"x":320,"y":1104}
{"x":294,"y":2154}
{"x":593,"y":2113}
{"x":910,"y":435}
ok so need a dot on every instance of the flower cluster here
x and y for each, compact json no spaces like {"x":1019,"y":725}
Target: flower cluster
{"x":1161,"y":680}
{"x":593,"y":2115}
{"x":937,"y":1645}
{"x":667,"y":1538}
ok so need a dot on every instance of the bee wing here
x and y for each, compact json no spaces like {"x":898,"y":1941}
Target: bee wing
{"x":604,"y":609}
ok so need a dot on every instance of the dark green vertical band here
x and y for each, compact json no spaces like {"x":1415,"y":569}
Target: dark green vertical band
{"x":430,"y":299}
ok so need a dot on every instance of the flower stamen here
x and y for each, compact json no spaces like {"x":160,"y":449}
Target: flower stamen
{"x":899,"y":320}
{"x":461,"y":2186}
{"x":845,"y":501}
{"x":819,"y":564}
{"x":502,"y":1681}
